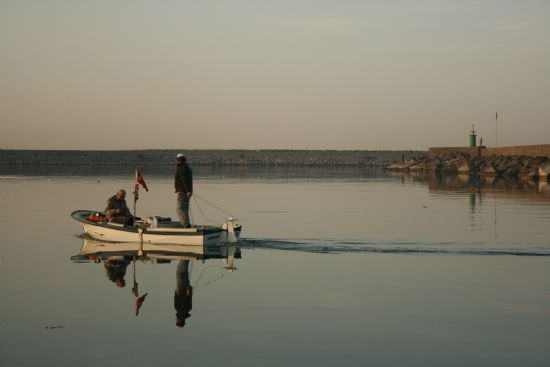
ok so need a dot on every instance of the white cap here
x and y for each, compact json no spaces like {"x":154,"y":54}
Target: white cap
{"x":180,"y":155}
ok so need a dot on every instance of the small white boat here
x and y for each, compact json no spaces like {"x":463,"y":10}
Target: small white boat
{"x":168,"y":232}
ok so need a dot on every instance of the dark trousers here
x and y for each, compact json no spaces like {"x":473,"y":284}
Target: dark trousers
{"x":182,"y":209}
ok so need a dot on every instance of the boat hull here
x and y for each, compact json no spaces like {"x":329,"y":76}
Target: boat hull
{"x":113,"y":232}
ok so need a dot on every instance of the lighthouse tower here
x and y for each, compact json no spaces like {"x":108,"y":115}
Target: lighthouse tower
{"x":473,"y":137}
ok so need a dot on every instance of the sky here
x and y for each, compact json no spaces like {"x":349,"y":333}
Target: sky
{"x":280,"y":74}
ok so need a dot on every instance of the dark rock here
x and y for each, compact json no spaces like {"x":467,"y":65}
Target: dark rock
{"x":544,"y":169}
{"x":528,"y":174}
{"x":488,"y":170}
{"x":510,"y":171}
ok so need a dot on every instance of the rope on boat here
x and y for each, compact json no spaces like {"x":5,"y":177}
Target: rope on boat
{"x":204,"y":215}
{"x":209,"y":203}
{"x":217,"y":207}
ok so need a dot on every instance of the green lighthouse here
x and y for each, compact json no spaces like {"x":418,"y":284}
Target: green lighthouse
{"x":473,"y":137}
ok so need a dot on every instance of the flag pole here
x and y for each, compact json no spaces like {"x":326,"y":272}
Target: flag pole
{"x":138,"y":181}
{"x":135,"y":288}
{"x":136,"y":197}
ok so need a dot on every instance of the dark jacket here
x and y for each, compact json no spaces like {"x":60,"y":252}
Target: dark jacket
{"x":112,"y":204}
{"x":183,"y":179}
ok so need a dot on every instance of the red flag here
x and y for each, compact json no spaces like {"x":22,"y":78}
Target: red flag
{"x":139,"y":303}
{"x":140,"y":180}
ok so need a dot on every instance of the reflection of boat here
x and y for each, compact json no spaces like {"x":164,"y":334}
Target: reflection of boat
{"x":117,"y":256}
{"x":168,"y":232}
{"x":93,"y":250}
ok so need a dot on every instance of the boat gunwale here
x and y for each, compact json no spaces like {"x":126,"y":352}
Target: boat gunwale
{"x":81,"y":214}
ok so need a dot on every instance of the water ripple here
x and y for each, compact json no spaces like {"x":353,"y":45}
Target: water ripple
{"x":335,"y":247}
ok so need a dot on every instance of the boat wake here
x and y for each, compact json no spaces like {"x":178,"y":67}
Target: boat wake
{"x":336,"y":247}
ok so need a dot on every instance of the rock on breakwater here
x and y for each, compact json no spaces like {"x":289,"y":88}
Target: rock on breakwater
{"x":525,"y":167}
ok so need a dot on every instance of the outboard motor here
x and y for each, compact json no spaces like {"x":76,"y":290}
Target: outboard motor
{"x":231,"y":235}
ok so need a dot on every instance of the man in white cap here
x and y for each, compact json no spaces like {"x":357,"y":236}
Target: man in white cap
{"x":183,"y":183}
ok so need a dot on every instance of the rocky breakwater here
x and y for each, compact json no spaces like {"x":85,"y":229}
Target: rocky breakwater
{"x":525,"y":167}
{"x":206,"y":157}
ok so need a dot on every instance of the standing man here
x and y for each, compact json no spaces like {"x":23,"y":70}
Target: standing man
{"x":183,"y":182}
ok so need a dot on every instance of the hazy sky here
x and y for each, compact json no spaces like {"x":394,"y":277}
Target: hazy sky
{"x":257,"y":74}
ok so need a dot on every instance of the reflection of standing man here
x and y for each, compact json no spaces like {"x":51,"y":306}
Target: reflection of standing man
{"x":183,"y":182}
{"x":183,"y":296}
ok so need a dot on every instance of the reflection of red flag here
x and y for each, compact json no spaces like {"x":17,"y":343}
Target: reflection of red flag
{"x":140,"y":180}
{"x":139,"y":303}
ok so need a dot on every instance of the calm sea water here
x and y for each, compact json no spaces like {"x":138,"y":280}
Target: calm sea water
{"x":337,"y":267}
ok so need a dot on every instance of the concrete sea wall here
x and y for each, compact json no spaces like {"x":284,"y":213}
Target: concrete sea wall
{"x":541,"y":150}
{"x":204,"y":157}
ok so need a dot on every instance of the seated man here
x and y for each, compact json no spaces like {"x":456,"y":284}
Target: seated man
{"x":117,"y":211}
